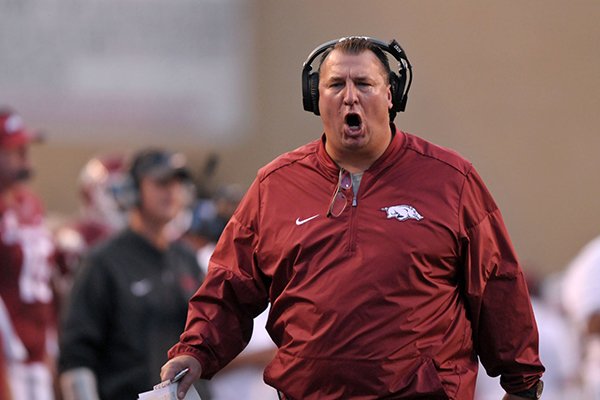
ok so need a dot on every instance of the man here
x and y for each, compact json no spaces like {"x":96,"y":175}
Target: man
{"x":384,"y":257}
{"x":129,"y":300}
{"x":28,"y":330}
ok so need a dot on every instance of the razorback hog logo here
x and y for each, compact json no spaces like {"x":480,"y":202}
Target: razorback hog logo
{"x":402,"y":212}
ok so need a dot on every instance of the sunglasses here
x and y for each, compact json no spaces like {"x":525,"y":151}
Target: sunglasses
{"x":339,"y":199}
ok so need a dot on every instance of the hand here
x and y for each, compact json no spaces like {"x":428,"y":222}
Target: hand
{"x":173,"y":366}
{"x":79,"y":383}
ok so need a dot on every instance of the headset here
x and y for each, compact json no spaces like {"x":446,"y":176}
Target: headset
{"x":127,"y":193}
{"x":399,"y":82}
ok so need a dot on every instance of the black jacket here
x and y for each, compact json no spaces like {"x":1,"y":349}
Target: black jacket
{"x":128,"y":306}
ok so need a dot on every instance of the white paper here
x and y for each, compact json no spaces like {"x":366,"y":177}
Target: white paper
{"x":168,"y":392}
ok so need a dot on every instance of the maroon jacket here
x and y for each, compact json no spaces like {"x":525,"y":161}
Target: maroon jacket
{"x":26,"y":250}
{"x":395,"y":298}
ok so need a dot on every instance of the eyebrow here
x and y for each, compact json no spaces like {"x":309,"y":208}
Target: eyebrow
{"x":335,"y":75}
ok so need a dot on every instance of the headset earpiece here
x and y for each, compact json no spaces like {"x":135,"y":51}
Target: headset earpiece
{"x":307,"y":102}
{"x":126,"y":193}
{"x":314,"y":92}
{"x":400,"y":82}
{"x":400,"y":103}
{"x":393,"y":79}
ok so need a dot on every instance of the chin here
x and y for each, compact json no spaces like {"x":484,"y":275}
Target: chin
{"x":355,"y":140}
{"x":354,"y":145}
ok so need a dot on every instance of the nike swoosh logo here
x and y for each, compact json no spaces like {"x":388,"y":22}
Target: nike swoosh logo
{"x":141,"y":288}
{"x":303,"y":221}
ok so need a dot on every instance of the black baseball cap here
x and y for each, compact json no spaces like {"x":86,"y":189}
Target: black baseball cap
{"x":159,"y":164}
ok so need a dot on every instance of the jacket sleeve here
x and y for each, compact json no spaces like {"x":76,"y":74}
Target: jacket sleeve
{"x":221,"y":313}
{"x":504,"y":329}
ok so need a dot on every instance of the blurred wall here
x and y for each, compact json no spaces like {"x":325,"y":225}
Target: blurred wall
{"x":512,"y":85}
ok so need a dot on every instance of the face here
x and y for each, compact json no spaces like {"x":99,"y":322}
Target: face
{"x":14,"y":166}
{"x":161,"y":201}
{"x":354,"y":102}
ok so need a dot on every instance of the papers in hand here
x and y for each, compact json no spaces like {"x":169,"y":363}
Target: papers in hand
{"x":167,"y":390}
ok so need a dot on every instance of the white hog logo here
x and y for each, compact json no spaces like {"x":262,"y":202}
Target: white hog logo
{"x":402,"y":212}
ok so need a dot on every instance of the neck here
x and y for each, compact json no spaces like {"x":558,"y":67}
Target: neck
{"x":353,"y":164}
{"x":152,"y":230}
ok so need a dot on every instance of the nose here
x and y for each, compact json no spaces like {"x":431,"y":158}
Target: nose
{"x":350,"y":94}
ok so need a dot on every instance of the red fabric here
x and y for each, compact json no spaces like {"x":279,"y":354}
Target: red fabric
{"x":25,"y":269}
{"x":370,"y":304}
{"x":4,"y":387}
{"x":13,"y":132}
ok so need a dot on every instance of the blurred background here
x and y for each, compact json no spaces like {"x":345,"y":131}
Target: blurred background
{"x":511,"y":85}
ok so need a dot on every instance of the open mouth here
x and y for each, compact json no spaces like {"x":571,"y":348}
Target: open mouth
{"x":353,"y":120}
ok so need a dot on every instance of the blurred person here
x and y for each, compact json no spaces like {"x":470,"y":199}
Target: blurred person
{"x":100,"y":181}
{"x":385,"y":259}
{"x":227,"y":198}
{"x":209,"y":217}
{"x":242,"y":378}
{"x":100,"y":216}
{"x":26,"y":249}
{"x":129,"y":299}
{"x":581,"y":297}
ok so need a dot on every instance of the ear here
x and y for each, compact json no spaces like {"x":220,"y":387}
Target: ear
{"x":390,"y":97}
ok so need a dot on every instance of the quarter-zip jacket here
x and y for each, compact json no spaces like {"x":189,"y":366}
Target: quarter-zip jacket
{"x":394,"y":299}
